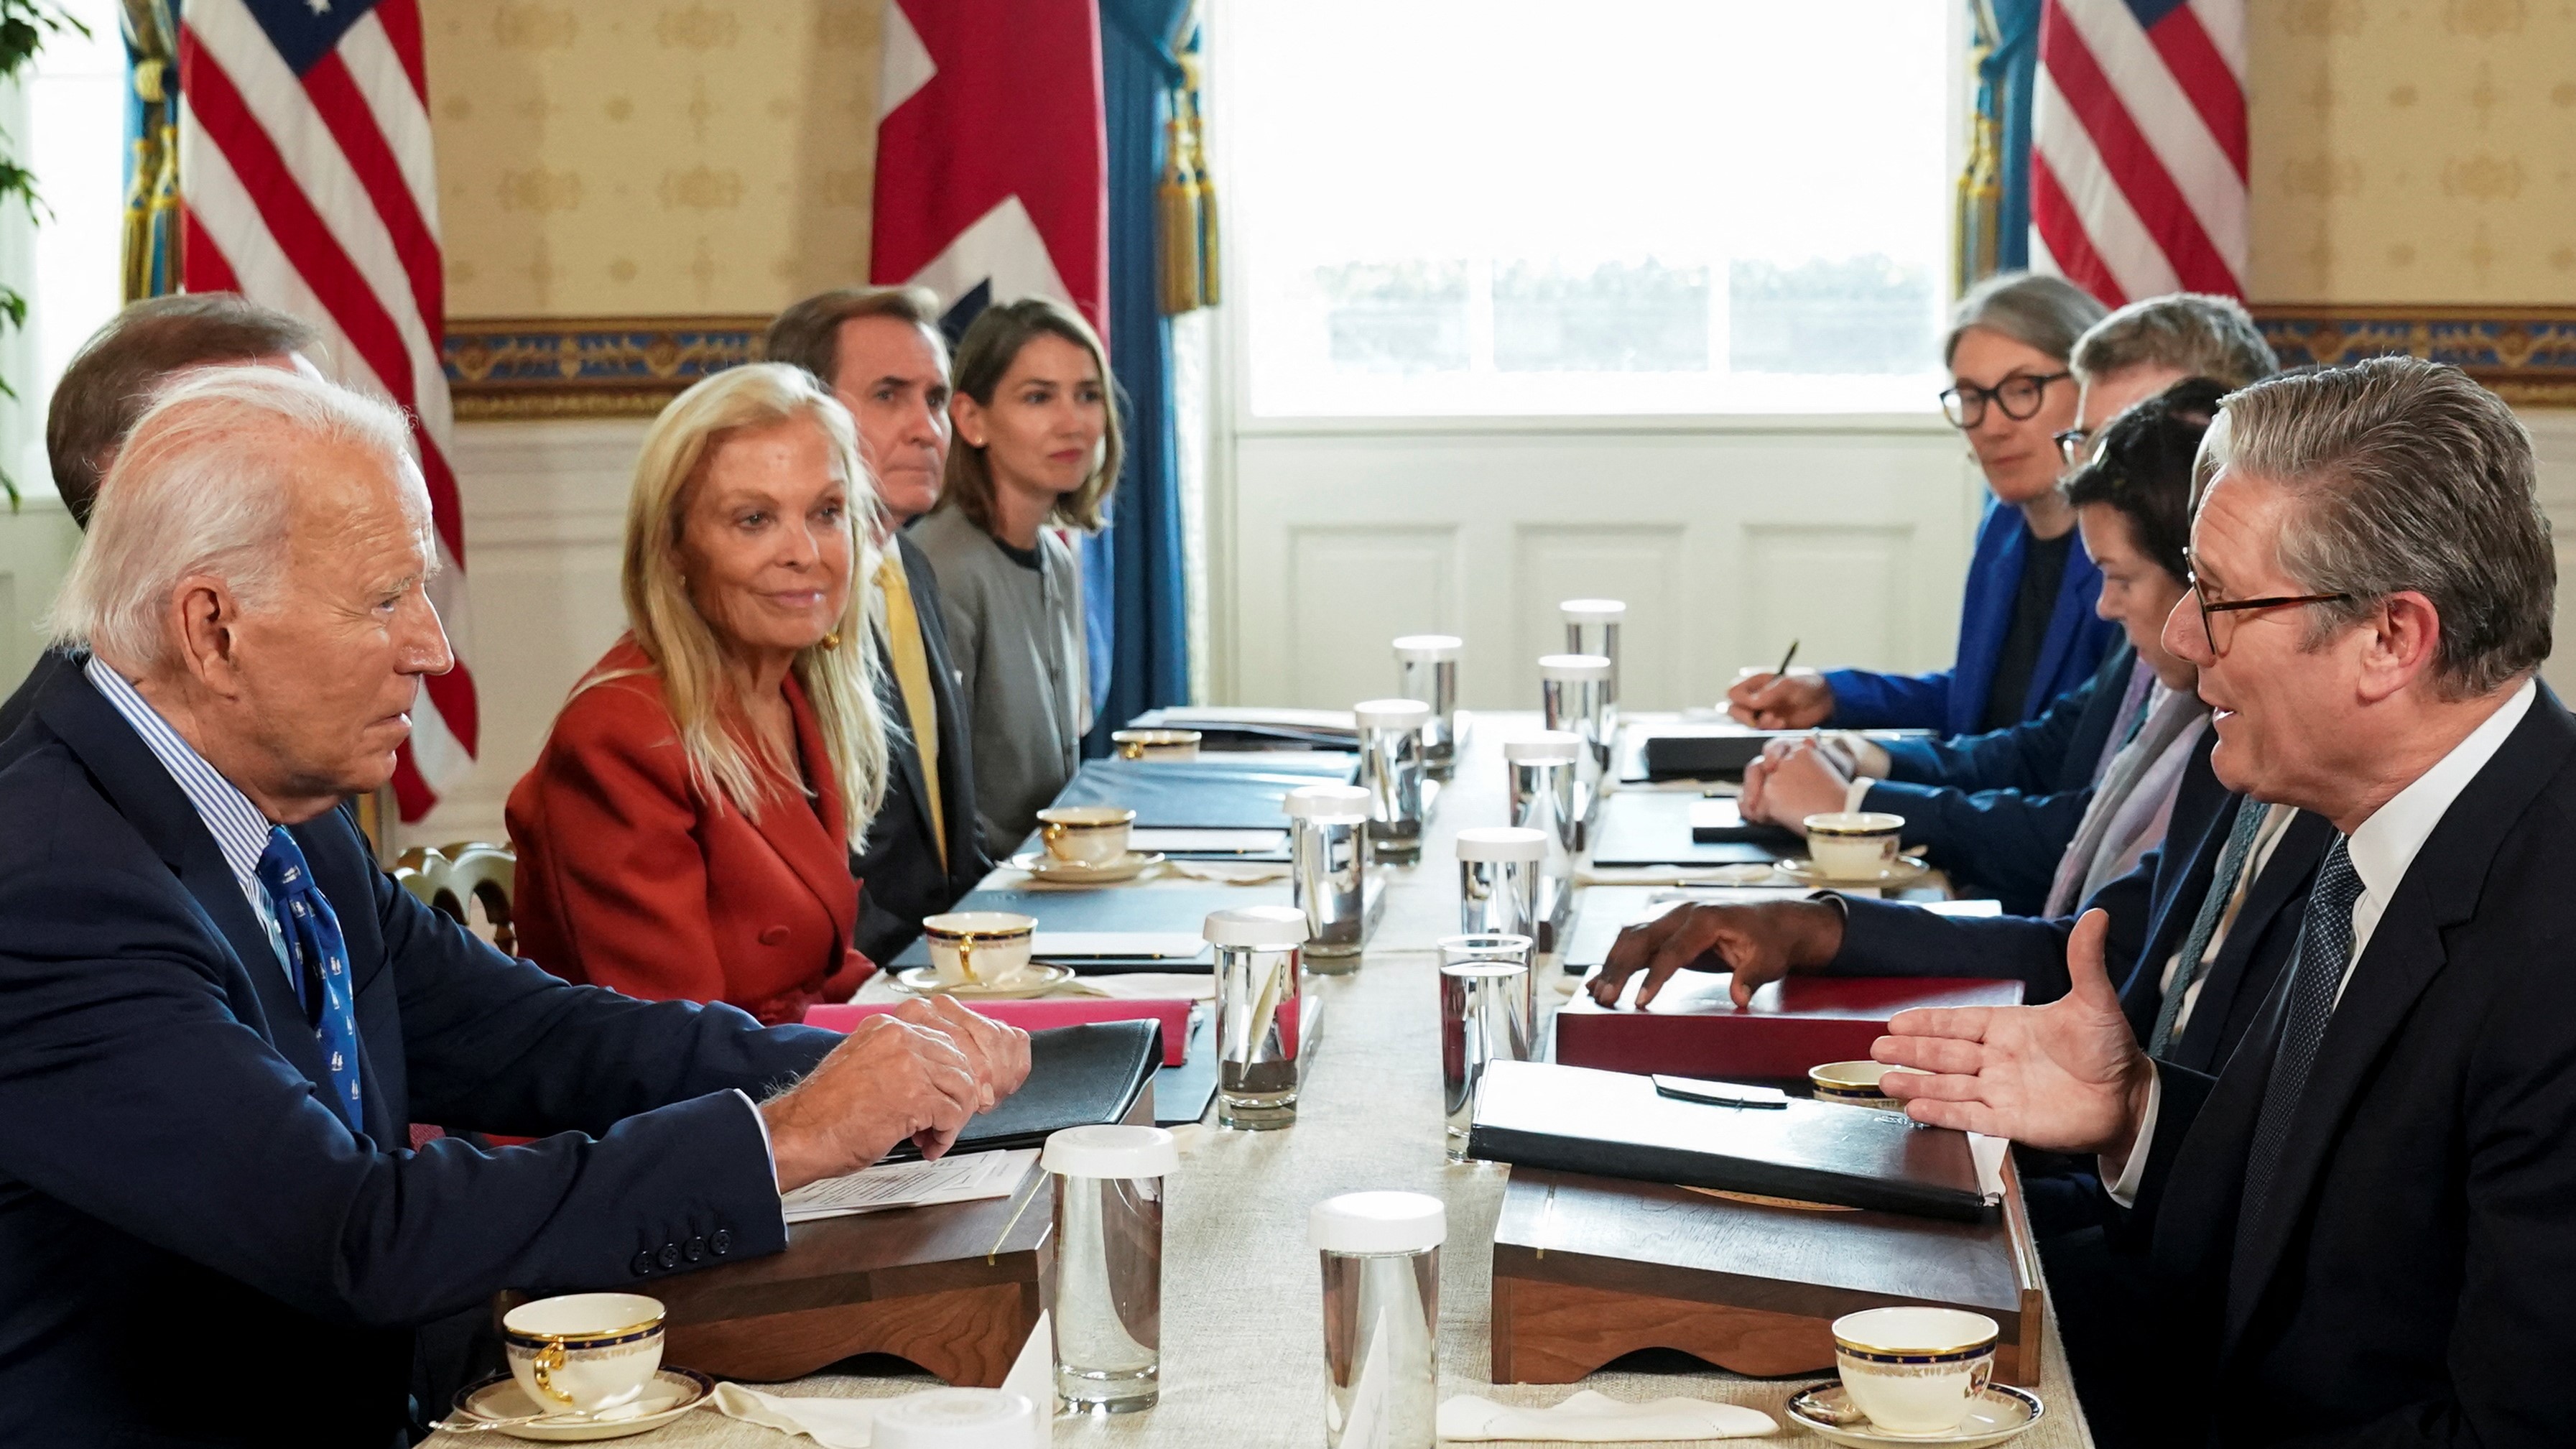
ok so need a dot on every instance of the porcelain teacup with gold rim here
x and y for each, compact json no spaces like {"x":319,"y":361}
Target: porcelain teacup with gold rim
{"x":1915,"y":1370}
{"x":1854,"y":845}
{"x":1156,"y":744}
{"x":979,"y":948}
{"x":1085,"y":834}
{"x":583,"y":1352}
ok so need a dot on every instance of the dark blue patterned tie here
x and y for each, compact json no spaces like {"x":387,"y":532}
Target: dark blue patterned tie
{"x":320,"y":962}
{"x":2325,"y":950}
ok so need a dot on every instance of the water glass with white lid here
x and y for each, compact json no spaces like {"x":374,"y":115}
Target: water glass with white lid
{"x":1487,"y":1015}
{"x":1573,"y":694}
{"x":1328,"y":871}
{"x":1391,"y":767}
{"x":1381,"y":1262}
{"x":1426,"y":668}
{"x":1107,"y":1312}
{"x":1592,"y":627}
{"x":1499,"y":868}
{"x":1257,"y":959}
{"x":1542,"y":769}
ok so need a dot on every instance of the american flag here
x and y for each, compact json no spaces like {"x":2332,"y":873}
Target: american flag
{"x":2138,"y":132}
{"x":304,"y":158}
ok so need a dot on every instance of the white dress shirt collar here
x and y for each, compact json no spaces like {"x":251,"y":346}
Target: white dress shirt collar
{"x":240,"y":831}
{"x":2384,"y":846}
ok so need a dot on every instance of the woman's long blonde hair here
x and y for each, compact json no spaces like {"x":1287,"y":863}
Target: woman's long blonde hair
{"x":841,"y":682}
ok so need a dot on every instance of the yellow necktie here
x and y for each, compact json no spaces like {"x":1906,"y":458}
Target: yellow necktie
{"x":912,"y":676}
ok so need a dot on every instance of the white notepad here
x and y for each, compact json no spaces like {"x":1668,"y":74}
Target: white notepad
{"x":1181,"y":840}
{"x":910,"y":1184}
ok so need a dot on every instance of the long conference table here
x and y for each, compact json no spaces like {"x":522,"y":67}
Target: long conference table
{"x":1242,"y":1326}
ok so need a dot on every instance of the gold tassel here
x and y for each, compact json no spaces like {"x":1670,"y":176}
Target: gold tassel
{"x":1176,"y":203}
{"x":1208,"y":255}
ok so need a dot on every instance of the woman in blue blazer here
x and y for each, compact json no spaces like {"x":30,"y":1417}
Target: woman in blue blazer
{"x":2027,"y":631}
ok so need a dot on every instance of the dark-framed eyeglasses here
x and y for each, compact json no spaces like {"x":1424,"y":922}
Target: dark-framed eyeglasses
{"x":2200,"y":595}
{"x":2018,"y":395}
{"x":2075,"y":445}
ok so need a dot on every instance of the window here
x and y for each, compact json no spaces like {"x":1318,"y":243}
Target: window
{"x":66,"y":123}
{"x":1634,"y":206}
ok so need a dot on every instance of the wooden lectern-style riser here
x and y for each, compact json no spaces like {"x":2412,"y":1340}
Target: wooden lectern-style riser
{"x":1589,"y":1268}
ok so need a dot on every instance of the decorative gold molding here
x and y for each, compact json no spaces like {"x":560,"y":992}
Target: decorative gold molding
{"x":558,"y":367}
{"x":2527,"y":354}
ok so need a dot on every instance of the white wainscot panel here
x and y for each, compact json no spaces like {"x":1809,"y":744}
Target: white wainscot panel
{"x":1350,"y":591}
{"x":545,"y":518}
{"x":1844,"y":592}
{"x":36,"y":546}
{"x":1642,"y":566}
{"x":2553,"y":436}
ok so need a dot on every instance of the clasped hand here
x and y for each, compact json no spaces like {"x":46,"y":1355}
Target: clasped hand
{"x":1792,"y":780}
{"x":917,"y":1072}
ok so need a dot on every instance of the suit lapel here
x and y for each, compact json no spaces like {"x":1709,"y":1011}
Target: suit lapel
{"x":813,"y":840}
{"x":908,"y":758}
{"x":143,"y":792}
{"x":2406,"y":952}
{"x":966,"y":863}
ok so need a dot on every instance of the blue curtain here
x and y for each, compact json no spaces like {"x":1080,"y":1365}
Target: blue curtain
{"x":2012,"y":69}
{"x":1135,"y":601}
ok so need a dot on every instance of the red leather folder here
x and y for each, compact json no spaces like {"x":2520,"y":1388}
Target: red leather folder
{"x":1693,"y":1029}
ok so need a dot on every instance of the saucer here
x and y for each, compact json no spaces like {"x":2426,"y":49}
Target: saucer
{"x":1905,"y":869}
{"x":1066,"y":872}
{"x":1041,"y":978}
{"x":673,"y":1392}
{"x":1998,"y":1414}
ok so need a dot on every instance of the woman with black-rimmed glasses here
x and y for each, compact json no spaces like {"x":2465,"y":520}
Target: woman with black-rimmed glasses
{"x":2027,"y":631}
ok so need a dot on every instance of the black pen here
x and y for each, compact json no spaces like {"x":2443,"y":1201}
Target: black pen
{"x":1783,"y":670}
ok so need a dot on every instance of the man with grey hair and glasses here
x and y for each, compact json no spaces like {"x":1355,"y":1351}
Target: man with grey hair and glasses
{"x":221,"y":1014}
{"x":2363,"y":1225}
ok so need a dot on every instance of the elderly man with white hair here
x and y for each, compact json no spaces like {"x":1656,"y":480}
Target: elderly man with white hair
{"x":219,"y":1015}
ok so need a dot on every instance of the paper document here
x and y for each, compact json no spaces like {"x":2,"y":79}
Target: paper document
{"x":1117,"y":945}
{"x":910,"y":1184}
{"x":1169,"y":839}
{"x":1183,"y":716}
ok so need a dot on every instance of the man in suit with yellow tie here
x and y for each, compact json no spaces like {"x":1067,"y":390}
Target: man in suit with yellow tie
{"x":881,"y":352}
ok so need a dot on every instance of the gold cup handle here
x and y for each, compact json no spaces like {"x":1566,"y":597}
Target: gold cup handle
{"x":1050,"y":833}
{"x":966,"y":955}
{"x":550,"y":1361}
{"x":1131,"y":749}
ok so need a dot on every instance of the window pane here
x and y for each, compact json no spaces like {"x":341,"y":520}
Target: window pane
{"x":1630,"y":206}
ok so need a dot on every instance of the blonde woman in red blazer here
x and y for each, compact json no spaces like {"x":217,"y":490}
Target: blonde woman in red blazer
{"x":687,"y":830}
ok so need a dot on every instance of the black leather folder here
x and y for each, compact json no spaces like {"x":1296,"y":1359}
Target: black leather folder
{"x":1653,"y":827}
{"x":1613,"y":1124}
{"x":1239,"y":793}
{"x":1079,"y":1076}
{"x":1710,"y":753}
{"x":1719,"y":821}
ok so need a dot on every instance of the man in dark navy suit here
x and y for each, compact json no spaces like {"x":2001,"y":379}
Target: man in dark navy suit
{"x":880,"y":351}
{"x":2363,"y":1221}
{"x":220,"y":1015}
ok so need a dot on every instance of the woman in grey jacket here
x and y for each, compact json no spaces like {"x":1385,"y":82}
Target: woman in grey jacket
{"x":1037,"y":450}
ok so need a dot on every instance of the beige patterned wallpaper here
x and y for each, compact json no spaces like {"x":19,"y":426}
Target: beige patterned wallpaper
{"x":2413,"y":151}
{"x":644,"y":158}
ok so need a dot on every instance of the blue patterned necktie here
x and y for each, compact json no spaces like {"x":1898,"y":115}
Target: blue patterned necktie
{"x":2325,"y":950}
{"x":320,"y":962}
{"x":2222,"y":885}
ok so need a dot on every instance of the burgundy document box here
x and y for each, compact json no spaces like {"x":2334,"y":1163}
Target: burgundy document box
{"x":1693,"y":1029}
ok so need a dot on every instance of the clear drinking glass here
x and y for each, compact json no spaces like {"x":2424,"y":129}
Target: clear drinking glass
{"x":1542,"y":772}
{"x":1592,"y":627}
{"x":1391,"y":767}
{"x":1427,"y":670}
{"x":1257,"y":951}
{"x":1381,"y":1266}
{"x":1485,"y":1004}
{"x":1108,"y":1306}
{"x":1499,"y":870}
{"x":1571,"y":688}
{"x":1328,"y":848}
